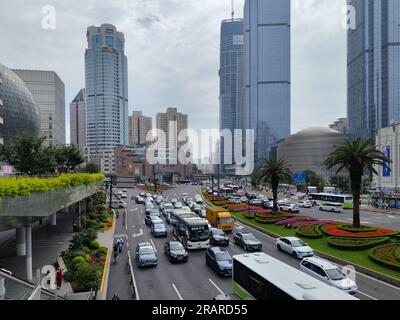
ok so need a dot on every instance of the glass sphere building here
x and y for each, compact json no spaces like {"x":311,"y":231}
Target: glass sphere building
{"x":19,"y":112}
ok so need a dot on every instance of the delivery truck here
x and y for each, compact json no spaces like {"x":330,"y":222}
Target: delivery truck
{"x":220,"y":218}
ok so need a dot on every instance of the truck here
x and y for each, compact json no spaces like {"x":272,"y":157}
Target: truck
{"x":220,"y":218}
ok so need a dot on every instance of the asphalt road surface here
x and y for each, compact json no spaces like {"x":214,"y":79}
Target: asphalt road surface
{"x":194,"y":280}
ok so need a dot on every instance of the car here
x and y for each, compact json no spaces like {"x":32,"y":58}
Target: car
{"x":158,"y":229}
{"x":255,"y":202}
{"x":191,"y":204}
{"x":123,"y":204}
{"x":167,"y":208}
{"x":150,"y":220}
{"x":244,"y":200}
{"x":220,"y":261}
{"x":176,"y":252}
{"x":304,"y":204}
{"x":148,"y":195}
{"x":331,"y":207}
{"x":124,"y":195}
{"x":292,"y":208}
{"x":124,"y":190}
{"x":247,"y":241}
{"x":218,"y":237}
{"x":184,"y":196}
{"x":329,"y":273}
{"x":188,"y":200}
{"x":148,"y":208}
{"x":295,"y":246}
{"x":178,"y":205}
{"x":283,"y":201}
{"x":174,"y":200}
{"x":159,"y":200}
{"x":143,"y":195}
{"x":198,"y":199}
{"x":154,"y":212}
{"x":145,"y":255}
{"x":119,"y":193}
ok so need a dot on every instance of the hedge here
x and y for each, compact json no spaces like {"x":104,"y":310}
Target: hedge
{"x":356,"y":243}
{"x":386,"y":256}
{"x":14,"y":187}
{"x":309,"y":231}
{"x":397,"y":253}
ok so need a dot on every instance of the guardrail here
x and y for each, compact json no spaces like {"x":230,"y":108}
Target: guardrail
{"x":132,"y":282}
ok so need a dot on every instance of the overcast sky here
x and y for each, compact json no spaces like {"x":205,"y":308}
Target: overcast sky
{"x":173,"y":52}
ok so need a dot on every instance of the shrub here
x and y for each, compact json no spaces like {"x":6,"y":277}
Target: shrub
{"x":78,"y":261}
{"x":385,"y":256}
{"x":87,"y":278}
{"x":69,"y":276}
{"x":309,"y":231}
{"x":356,"y":243}
{"x":101,"y":252}
{"x":82,"y":239}
{"x":94,"y":245}
{"x":397,"y":253}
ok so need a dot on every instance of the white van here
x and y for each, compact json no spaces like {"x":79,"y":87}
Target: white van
{"x":331,"y":207}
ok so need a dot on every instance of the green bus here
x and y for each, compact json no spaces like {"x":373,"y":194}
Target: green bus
{"x":322,"y":198}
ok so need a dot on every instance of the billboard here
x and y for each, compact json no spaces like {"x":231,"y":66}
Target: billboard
{"x":386,"y":165}
{"x":299,"y":178}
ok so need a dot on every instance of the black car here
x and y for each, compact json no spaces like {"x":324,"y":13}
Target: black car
{"x":247,"y":241}
{"x":218,"y":237}
{"x":175,"y":252}
{"x":219,"y":260}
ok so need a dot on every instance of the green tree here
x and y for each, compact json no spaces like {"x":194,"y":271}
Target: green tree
{"x":29,"y":156}
{"x":67,"y":158}
{"x":91,"y":167}
{"x":313,"y":179}
{"x":356,"y":157}
{"x":273,"y":172}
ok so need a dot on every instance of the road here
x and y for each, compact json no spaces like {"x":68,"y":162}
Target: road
{"x":194,"y":280}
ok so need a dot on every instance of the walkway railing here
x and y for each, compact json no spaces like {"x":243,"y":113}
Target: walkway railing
{"x":135,"y":293}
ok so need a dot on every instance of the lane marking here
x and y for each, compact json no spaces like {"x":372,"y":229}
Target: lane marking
{"x":138,"y":234}
{"x":368,"y":296}
{"x":152,"y":243}
{"x":213,"y":283}
{"x":177,"y":292}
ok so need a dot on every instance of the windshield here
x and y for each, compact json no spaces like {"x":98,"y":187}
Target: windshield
{"x":146,"y":250}
{"x":223,"y":256}
{"x":168,"y":206}
{"x":335,"y":274}
{"x":298,"y":243}
{"x":249,"y":237}
{"x":159,"y":226}
{"x":198,"y":233}
{"x":225,"y":220}
{"x":218,"y":232}
{"x":176,"y":246}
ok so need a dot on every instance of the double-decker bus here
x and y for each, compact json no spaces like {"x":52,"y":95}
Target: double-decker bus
{"x":191,"y":230}
{"x":346,"y":201}
{"x":259,"y":276}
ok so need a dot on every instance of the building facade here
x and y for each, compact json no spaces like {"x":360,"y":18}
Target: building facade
{"x":77,"y":111}
{"x":48,"y":90}
{"x":231,"y":80}
{"x":129,"y":161}
{"x":341,"y":125}
{"x":106,"y":93}
{"x":19,"y":112}
{"x":267,"y":73}
{"x":373,"y":67}
{"x":139,"y":126}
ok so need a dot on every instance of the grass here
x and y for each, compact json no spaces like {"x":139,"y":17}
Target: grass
{"x":359,"y":257}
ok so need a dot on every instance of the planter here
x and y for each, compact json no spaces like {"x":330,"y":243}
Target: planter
{"x":386,"y":256}
{"x":309,"y":231}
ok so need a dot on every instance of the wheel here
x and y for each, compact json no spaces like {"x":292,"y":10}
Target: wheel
{"x":333,"y":210}
{"x":279,"y":247}
{"x":245,"y":247}
{"x":320,"y":209}
{"x":294,"y":254}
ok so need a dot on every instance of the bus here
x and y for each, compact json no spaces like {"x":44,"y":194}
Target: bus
{"x":346,"y":201}
{"x":191,"y":230}
{"x":259,"y":276}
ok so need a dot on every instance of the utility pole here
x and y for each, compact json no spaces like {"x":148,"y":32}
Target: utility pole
{"x":233,"y":10}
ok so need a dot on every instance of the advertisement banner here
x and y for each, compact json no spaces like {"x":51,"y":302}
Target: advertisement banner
{"x":386,"y":164}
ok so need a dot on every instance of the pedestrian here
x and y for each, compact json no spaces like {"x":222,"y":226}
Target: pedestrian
{"x":2,"y":288}
{"x":115,"y":297}
{"x":59,"y":277}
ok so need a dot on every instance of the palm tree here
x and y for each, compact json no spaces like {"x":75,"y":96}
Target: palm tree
{"x":356,"y":156}
{"x":274,"y":171}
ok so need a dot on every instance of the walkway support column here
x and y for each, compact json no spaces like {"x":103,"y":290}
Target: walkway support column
{"x":53,"y":219}
{"x":28,"y":230}
{"x":21,"y":242}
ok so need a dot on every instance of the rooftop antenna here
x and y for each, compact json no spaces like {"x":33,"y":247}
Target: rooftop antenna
{"x":233,"y":10}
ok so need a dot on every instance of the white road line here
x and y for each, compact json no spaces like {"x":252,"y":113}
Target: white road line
{"x":213,"y":283}
{"x":177,"y":292}
{"x":368,"y":296}
{"x":152,"y":243}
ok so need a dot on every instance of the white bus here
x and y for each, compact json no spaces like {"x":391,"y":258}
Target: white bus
{"x":318,"y":199}
{"x":191,"y":230}
{"x":259,"y":276}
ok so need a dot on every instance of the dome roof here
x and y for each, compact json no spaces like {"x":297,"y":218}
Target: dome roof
{"x":317,"y":131}
{"x":19,"y":111}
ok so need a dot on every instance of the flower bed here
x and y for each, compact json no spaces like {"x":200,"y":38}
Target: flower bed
{"x":310,"y":222}
{"x":350,"y":228}
{"x":269,"y":218}
{"x":333,"y":230}
{"x":386,"y":255}
{"x":356,"y":243}
{"x":309,"y":231}
{"x":11,"y":187}
{"x":220,"y":203}
{"x":294,"y":220}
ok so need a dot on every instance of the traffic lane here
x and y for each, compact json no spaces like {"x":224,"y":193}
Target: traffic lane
{"x":369,"y":288}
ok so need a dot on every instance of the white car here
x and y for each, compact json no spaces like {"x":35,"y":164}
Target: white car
{"x":124,"y":190}
{"x":119,"y":193}
{"x":124,"y":196}
{"x":295,"y":246}
{"x":255,"y":202}
{"x":178,"y":205}
{"x":331,"y":207}
{"x":283,"y":201}
{"x":304,"y":204}
{"x":292,"y":208}
{"x":244,"y":199}
{"x":329,"y":273}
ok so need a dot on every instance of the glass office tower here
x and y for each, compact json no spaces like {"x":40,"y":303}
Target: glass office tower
{"x":373,"y":67}
{"x":267,"y":73}
{"x":106,"y":93}
{"x":231,"y":79}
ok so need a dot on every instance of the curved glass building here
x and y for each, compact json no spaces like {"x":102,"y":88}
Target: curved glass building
{"x":19,"y":112}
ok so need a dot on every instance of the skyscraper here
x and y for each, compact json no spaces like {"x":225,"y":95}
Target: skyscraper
{"x":106,"y":93}
{"x":77,"y":111}
{"x":48,"y":90}
{"x":373,"y":67}
{"x":231,"y":79}
{"x":139,"y":126}
{"x":267,"y":96}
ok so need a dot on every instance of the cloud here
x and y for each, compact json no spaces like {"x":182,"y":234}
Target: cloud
{"x":173,"y":52}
